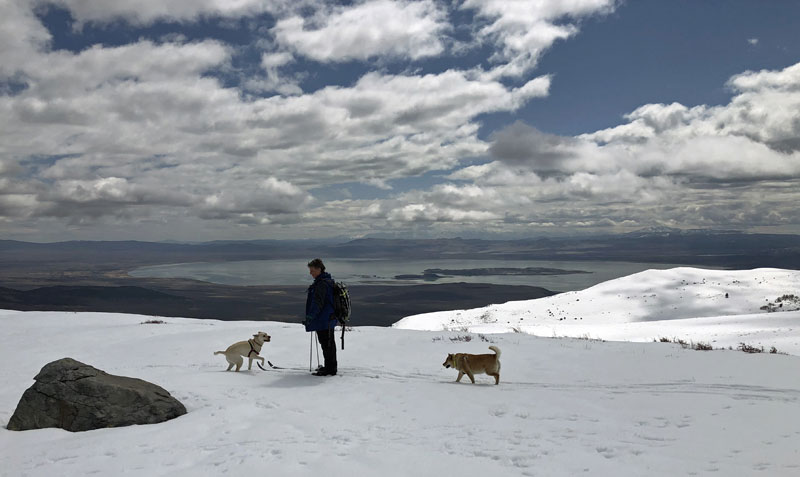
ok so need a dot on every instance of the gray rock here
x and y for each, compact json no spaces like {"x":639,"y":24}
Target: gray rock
{"x":77,"y":397}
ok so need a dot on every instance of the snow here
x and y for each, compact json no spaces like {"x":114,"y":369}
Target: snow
{"x":685,"y":303}
{"x":564,"y":406}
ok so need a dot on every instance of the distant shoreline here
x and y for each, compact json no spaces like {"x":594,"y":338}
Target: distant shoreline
{"x":94,"y":276}
{"x":432,"y":274}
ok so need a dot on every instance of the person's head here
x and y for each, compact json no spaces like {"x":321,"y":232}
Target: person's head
{"x":315,"y":267}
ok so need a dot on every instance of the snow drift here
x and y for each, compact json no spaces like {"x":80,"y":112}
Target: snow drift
{"x":719,"y":307}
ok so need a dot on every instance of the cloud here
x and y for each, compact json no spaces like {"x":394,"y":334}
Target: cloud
{"x":785,"y":80}
{"x":401,"y":29}
{"x":22,"y":36}
{"x":763,"y":109}
{"x":430,"y":213}
{"x":257,"y":201}
{"x":524,"y":30}
{"x":145,"y":12}
{"x":113,"y":137}
{"x":523,"y":144}
{"x":753,"y":137}
{"x":733,"y":165}
{"x":107,"y":131}
{"x":272,"y":63}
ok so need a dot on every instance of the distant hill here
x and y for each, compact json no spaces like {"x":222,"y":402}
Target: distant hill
{"x":662,"y":245}
{"x":721,"y":307}
{"x":129,"y":299}
{"x":372,"y":305}
{"x":724,"y":249}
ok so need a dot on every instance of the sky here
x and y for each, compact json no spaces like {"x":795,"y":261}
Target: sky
{"x":246,"y":119}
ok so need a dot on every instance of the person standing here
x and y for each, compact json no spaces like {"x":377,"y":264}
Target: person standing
{"x":320,"y":315}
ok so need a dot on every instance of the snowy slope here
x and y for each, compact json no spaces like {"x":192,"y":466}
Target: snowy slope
{"x":686,"y":303}
{"x":564,"y":407}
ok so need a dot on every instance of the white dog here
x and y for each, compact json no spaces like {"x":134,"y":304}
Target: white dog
{"x":249,"y":349}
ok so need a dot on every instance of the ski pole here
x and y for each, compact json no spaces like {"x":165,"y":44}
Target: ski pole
{"x":317,"y":349}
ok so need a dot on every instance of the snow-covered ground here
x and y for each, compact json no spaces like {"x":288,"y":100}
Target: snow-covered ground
{"x":717,"y":307}
{"x":564,"y":407}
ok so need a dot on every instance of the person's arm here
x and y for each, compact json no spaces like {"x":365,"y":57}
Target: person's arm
{"x":317,"y":301}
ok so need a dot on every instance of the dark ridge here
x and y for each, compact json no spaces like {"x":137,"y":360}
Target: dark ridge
{"x":372,"y":305}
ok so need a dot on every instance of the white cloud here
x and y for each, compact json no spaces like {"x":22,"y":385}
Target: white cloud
{"x":255,"y":201}
{"x":144,"y":12}
{"x":275,"y":80}
{"x":787,"y":80}
{"x":22,"y":35}
{"x":524,"y":30}
{"x":369,"y":29}
{"x":141,"y":133}
{"x":109,"y":130}
{"x":430,"y":213}
{"x":734,"y":165}
{"x":764,"y":109}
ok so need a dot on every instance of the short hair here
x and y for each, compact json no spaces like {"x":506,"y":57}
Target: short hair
{"x":317,"y":263}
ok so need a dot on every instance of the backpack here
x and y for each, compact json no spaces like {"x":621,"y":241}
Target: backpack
{"x":341,"y":302}
{"x":341,"y":305}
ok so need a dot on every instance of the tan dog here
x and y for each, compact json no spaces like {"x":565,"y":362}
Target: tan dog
{"x":249,"y":348}
{"x":471,"y":364}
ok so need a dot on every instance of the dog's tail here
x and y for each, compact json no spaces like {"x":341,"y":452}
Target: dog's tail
{"x":495,"y":349}
{"x":218,"y":352}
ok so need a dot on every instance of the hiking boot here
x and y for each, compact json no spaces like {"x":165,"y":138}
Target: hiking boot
{"x":321,"y":372}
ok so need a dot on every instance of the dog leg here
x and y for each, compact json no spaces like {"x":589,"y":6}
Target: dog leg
{"x":249,"y":364}
{"x":471,"y":377}
{"x":496,"y":378}
{"x":239,"y":363}
{"x":460,"y":375}
{"x":230,"y":366}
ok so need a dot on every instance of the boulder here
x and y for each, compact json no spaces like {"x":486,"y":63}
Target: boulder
{"x":78,"y":397}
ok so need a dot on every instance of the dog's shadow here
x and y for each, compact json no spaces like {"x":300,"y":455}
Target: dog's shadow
{"x":477,"y":384}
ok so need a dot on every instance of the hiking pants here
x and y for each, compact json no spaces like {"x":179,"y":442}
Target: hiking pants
{"x":327,"y":340}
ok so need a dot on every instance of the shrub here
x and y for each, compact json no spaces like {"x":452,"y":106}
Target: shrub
{"x":749,"y":349}
{"x":700,"y":346}
{"x":463,"y":338}
{"x":587,"y":337}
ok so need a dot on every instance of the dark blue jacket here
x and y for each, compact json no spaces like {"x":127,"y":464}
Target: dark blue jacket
{"x":319,"y":304}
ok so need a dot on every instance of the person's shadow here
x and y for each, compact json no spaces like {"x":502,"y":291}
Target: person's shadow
{"x":295,"y":380}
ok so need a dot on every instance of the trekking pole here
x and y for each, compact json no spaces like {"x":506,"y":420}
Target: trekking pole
{"x":317,"y":350}
{"x":310,"y":350}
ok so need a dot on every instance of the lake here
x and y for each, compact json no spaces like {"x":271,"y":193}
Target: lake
{"x":383,"y":272}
